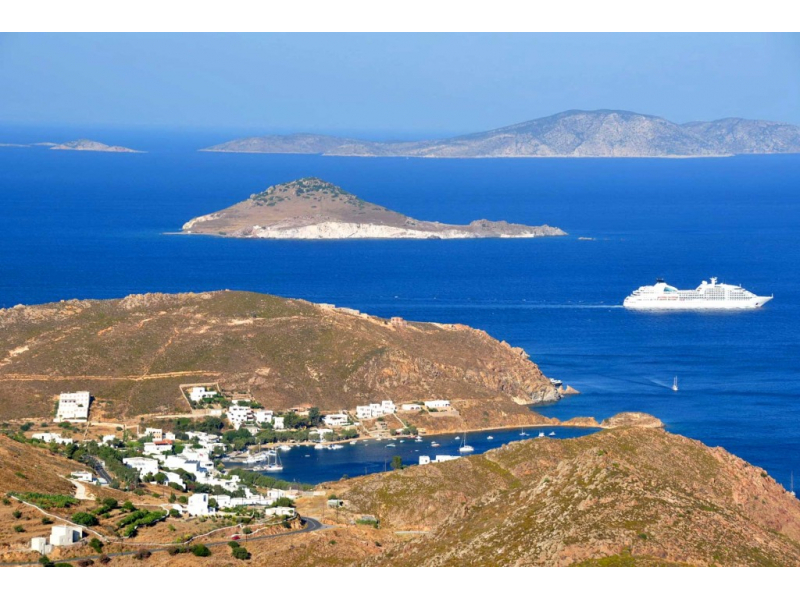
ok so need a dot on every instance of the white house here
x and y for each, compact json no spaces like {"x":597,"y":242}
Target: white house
{"x":388,"y":407}
{"x":157,"y":434}
{"x":198,"y":505}
{"x":52,"y":438}
{"x":239,"y":415}
{"x":437,"y":404}
{"x":108,"y":439}
{"x":73,"y":406}
{"x":40,"y":545}
{"x":277,"y":423}
{"x":198,"y":393}
{"x":174,"y":478}
{"x":145,"y":466}
{"x":64,"y":535}
{"x":263,"y":416}
{"x":410,"y":407}
{"x":84,"y":476}
{"x":425,"y":460}
{"x":336,"y":420}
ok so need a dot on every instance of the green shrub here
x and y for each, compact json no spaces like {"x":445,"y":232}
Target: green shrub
{"x":201,"y":550}
{"x":240,"y":553}
{"x":85,"y":519}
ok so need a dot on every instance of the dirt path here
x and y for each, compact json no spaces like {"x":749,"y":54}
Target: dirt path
{"x":106,"y":377}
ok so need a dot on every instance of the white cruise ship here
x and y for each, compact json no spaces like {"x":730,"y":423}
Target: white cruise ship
{"x":707,"y":296}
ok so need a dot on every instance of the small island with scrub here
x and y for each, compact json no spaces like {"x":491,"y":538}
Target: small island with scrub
{"x":82,"y":144}
{"x":311,"y":208}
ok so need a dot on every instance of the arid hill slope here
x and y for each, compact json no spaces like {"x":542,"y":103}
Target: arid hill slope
{"x":133,"y":353}
{"x":621,"y":496}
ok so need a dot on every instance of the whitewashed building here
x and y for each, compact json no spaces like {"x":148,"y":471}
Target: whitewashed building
{"x":73,"y":406}
{"x":336,"y":420}
{"x":239,"y":415}
{"x":263,"y":416}
{"x":64,"y":535}
{"x":411,"y":407}
{"x":437,"y":404}
{"x":49,"y":438}
{"x":198,"y":506}
{"x":145,"y":466}
{"x":198,"y":393}
{"x":277,"y":423}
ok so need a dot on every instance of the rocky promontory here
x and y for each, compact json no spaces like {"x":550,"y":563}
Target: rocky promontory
{"x":312,"y":209}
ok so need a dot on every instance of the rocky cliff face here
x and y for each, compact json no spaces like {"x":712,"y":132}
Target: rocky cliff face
{"x":625,"y":496}
{"x":133,"y":353}
{"x":312,"y":209}
{"x":574,"y":133}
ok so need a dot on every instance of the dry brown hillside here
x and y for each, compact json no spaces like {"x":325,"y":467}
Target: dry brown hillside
{"x":132,"y":354}
{"x":623,"y":496}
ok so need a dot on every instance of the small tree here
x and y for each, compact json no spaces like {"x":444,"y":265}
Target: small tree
{"x":397,"y":463}
{"x":201,"y":550}
{"x":96,"y":545}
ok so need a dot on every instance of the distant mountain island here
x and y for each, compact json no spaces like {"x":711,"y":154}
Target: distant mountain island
{"x":574,"y":133}
{"x":78,"y":145}
{"x":311,"y":208}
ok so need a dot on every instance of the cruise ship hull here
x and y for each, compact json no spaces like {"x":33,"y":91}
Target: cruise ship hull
{"x":678,"y":304}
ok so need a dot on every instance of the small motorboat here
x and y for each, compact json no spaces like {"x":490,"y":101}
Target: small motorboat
{"x":391,"y":445}
{"x":353,"y":443}
{"x":489,"y":437}
{"x":418,"y":438}
{"x":458,"y":437}
{"x":552,"y":433}
{"x":541,"y":434}
{"x":675,"y":384}
{"x":319,"y":447}
{"x":434,"y":444}
{"x":285,"y":448}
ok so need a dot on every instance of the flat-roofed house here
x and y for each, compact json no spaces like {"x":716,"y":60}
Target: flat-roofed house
{"x":73,"y":406}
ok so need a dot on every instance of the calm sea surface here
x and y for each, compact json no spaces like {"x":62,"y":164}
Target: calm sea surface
{"x":89,"y":225}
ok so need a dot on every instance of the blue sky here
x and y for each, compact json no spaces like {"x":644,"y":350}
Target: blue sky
{"x":389,"y":85}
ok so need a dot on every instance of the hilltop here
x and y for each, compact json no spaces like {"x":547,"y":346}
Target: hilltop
{"x":574,"y":133}
{"x":133,"y":353}
{"x":311,"y":208}
{"x":625,"y":496}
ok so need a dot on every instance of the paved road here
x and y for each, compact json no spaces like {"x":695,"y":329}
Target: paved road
{"x":311,"y":525}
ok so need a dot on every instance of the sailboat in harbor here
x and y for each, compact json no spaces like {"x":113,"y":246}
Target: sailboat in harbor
{"x":464,"y":448}
{"x":675,"y":384}
{"x":273,"y":461}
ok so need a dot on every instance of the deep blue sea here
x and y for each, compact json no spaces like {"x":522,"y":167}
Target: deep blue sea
{"x":91,"y":225}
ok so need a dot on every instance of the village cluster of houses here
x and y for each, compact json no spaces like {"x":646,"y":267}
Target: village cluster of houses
{"x":197,"y":461}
